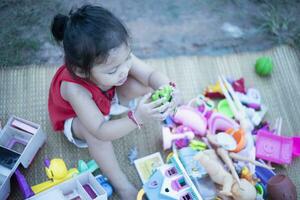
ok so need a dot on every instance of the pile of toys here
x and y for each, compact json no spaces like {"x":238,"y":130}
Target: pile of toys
{"x":222,"y":148}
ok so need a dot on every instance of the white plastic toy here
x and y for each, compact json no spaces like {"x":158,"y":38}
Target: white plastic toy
{"x":19,"y":142}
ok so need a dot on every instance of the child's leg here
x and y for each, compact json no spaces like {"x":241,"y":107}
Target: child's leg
{"x":131,"y":89}
{"x":103,"y":153}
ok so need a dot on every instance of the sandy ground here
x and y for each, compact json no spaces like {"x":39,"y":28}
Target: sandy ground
{"x":158,"y":28}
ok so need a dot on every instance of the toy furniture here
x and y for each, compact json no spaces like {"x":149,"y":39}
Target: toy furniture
{"x":170,"y":182}
{"x":83,"y":186}
{"x":19,"y":142}
{"x":169,"y":137}
{"x":276,"y":148}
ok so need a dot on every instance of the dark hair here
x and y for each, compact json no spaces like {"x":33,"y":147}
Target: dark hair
{"x":88,"y":34}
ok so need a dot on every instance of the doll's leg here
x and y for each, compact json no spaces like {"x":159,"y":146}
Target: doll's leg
{"x":227,"y":184}
{"x":103,"y":153}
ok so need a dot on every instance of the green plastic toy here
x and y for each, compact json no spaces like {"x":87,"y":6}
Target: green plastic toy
{"x":165,"y":92}
{"x":224,"y":108}
{"x":264,"y":66}
{"x":197,"y":145}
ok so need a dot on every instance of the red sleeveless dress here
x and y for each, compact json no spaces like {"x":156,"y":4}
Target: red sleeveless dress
{"x":60,"y":110}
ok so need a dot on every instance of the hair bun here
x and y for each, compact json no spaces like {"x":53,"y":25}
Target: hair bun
{"x":58,"y":26}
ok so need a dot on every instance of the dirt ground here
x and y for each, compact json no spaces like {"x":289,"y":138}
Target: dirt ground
{"x":158,"y":28}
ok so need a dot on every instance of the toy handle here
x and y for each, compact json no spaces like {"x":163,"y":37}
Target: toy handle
{"x":140,"y":194}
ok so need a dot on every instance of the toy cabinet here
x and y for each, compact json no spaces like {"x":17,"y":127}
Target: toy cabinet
{"x":81,"y":187}
{"x":19,"y":142}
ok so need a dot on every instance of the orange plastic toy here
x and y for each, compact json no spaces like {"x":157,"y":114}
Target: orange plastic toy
{"x":239,"y":137}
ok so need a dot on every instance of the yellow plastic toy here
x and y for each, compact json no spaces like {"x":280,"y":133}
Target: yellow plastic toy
{"x":214,"y":91}
{"x":57,"y":172}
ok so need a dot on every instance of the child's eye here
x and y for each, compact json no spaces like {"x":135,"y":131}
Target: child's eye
{"x":114,"y":71}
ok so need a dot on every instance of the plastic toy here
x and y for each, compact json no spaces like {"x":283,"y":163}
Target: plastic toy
{"x":197,"y":145}
{"x":19,"y":142}
{"x":223,"y":140}
{"x":239,"y":137}
{"x":105,"y":184}
{"x":90,"y":166}
{"x":56,"y":171}
{"x":170,"y":182}
{"x":275,"y":148}
{"x":189,"y":117}
{"x":192,"y":167}
{"x":82,"y":186}
{"x":165,"y":92}
{"x":181,"y":143}
{"x":252,"y":99}
{"x":169,"y":122}
{"x":264,"y":66}
{"x":246,"y":174}
{"x":196,"y":172}
{"x":242,"y":191}
{"x":239,"y":85}
{"x":214,"y":91}
{"x":219,"y":122}
{"x":133,"y":154}
{"x":226,"y":157}
{"x":240,"y":114}
{"x":169,"y":137}
{"x":264,"y":175}
{"x":280,"y":187}
{"x":224,"y":108}
{"x":202,"y":103}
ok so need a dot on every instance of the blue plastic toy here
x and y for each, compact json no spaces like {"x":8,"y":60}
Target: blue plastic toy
{"x":104,"y":183}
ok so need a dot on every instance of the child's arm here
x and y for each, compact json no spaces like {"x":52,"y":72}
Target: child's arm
{"x":145,"y":74}
{"x":93,"y":120}
{"x":153,"y":78}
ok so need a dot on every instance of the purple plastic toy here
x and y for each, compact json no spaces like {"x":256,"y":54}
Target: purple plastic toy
{"x":276,"y":148}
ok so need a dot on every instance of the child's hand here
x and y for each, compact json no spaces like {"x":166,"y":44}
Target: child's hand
{"x":147,"y":109}
{"x":176,"y":100}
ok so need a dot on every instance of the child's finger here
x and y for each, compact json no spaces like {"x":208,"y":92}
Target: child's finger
{"x":145,"y":98}
{"x":162,"y":108}
{"x":156,"y":103}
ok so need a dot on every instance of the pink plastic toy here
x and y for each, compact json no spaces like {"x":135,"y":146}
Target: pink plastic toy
{"x":191,"y":118}
{"x":220,"y":122}
{"x":276,"y":148}
{"x":169,"y":137}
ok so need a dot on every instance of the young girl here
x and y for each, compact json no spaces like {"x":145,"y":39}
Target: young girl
{"x":102,"y":77}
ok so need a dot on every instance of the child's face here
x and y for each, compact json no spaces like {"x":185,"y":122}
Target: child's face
{"x":115,"y":70}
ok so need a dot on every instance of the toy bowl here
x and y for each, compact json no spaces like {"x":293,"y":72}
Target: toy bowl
{"x":223,"y":107}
